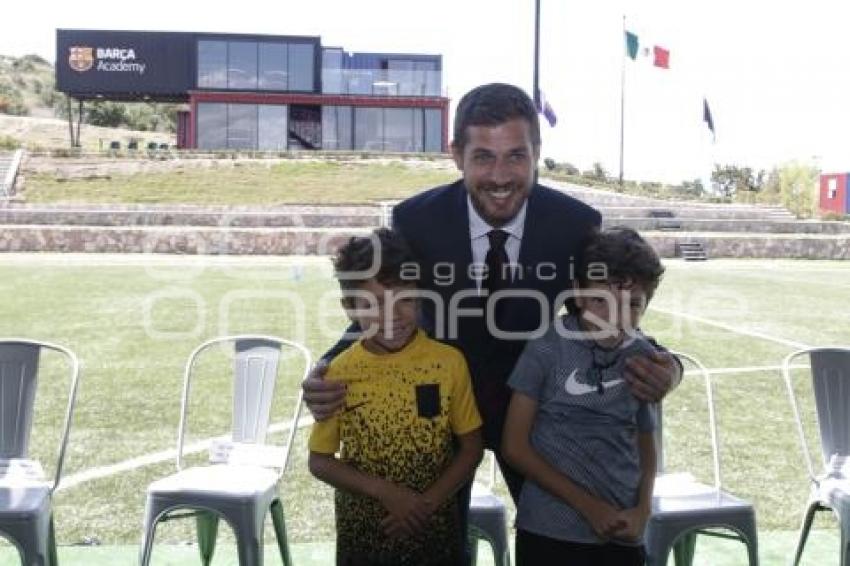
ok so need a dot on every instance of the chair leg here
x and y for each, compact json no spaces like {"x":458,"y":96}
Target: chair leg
{"x":805,"y":527}
{"x":845,"y":548}
{"x":207,"y":523}
{"x":147,"y":540}
{"x":249,"y":544}
{"x":472,"y":548}
{"x":280,"y":531}
{"x":684,"y":548}
{"x":52,"y":558}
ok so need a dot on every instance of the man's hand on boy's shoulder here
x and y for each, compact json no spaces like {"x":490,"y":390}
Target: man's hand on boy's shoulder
{"x":408,"y":511}
{"x":652,"y":376}
{"x":323,"y":398}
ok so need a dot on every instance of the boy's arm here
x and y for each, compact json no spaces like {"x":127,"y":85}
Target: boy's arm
{"x":637,"y":516}
{"x":518,"y":451}
{"x":460,"y":471}
{"x":407,"y":507}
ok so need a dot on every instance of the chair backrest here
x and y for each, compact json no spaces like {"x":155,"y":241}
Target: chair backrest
{"x":830,"y":379}
{"x":19,"y":363}
{"x":699,"y":370}
{"x":256,"y":360}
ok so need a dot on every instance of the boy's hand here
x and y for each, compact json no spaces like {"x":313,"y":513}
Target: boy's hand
{"x":323,"y":398}
{"x":407,"y":510}
{"x":635,"y":522}
{"x":604,"y":518}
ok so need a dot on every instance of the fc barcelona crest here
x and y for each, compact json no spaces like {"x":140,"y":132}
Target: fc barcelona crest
{"x":81,"y":59}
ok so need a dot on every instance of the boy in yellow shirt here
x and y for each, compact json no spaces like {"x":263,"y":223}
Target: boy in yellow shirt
{"x":409,"y":435}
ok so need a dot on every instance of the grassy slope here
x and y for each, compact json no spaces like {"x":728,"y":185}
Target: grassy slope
{"x":238,"y":183}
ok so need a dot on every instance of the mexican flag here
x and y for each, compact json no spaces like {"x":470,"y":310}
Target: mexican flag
{"x":634,"y":48}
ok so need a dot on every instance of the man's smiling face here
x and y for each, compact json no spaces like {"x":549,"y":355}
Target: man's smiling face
{"x":498,"y":164}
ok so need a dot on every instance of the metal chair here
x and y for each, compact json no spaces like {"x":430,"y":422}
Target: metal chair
{"x":488,"y":519}
{"x":26,"y":510}
{"x":830,"y":489}
{"x":683,"y":508}
{"x":241,"y":482}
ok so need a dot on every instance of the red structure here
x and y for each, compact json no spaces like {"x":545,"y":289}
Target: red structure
{"x":834,"y":193}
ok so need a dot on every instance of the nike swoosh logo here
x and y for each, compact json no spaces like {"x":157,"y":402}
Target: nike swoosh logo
{"x":573,"y":387}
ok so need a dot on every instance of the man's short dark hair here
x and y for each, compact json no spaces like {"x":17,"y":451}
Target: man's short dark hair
{"x":627,"y":258}
{"x":491,"y":105}
{"x":396,"y":264}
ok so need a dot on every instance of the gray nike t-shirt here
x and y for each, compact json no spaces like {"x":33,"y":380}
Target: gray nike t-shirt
{"x":586,"y":426}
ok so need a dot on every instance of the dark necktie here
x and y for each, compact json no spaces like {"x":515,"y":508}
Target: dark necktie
{"x":498,"y":273}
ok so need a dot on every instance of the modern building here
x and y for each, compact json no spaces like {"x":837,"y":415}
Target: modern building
{"x":835,"y":193}
{"x":263,"y":92}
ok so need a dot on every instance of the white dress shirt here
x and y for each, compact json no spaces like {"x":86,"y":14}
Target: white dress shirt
{"x":479,"y":228}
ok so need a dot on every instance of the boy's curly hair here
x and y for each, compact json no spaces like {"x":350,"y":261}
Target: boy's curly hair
{"x":627,"y":257}
{"x":358,"y":255}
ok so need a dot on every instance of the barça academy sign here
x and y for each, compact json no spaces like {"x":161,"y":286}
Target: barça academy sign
{"x":109,"y":59}
{"x":128,"y":65}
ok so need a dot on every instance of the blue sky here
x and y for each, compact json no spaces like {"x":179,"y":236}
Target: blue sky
{"x":775,"y":73}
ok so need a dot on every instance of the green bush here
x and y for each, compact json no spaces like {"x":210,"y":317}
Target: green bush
{"x":8,"y":142}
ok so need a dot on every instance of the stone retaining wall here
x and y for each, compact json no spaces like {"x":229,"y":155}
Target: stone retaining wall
{"x":286,"y":241}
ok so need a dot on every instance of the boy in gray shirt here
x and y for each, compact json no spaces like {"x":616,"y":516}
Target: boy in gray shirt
{"x":583,"y":442}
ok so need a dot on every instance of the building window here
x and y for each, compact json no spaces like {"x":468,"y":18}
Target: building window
{"x":369,"y":129}
{"x":242,"y":126}
{"x":273,"y":75}
{"x":833,"y":188}
{"x":336,"y":127}
{"x":212,"y":64}
{"x":273,"y":131}
{"x":301,"y":64}
{"x":212,"y":126}
{"x":433,"y":130}
{"x":242,"y":65}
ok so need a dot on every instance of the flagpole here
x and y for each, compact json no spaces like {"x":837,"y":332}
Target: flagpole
{"x":536,"y":92}
{"x":622,"y":103}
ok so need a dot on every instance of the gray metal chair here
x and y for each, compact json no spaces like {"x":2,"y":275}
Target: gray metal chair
{"x":26,"y":510}
{"x":241,"y":482}
{"x":830,"y":489}
{"x":488,"y":519}
{"x":683,"y":508}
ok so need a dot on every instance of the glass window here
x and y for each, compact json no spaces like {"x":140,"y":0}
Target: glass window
{"x":398,"y":129}
{"x":242,"y":65}
{"x":428,"y":78}
{"x":336,"y":127}
{"x":369,"y":129}
{"x":418,"y":136}
{"x":332,"y":71}
{"x":212,"y":126}
{"x":212,"y":64}
{"x":272,"y":127}
{"x":301,"y":66}
{"x":433,"y":130}
{"x":242,"y":126}
{"x":272,"y":66}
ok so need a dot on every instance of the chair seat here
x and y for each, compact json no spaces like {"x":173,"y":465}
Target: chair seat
{"x":680,"y":494}
{"x":231,"y":481}
{"x":24,"y":500}
{"x":483,"y":499}
{"x":834,"y":492}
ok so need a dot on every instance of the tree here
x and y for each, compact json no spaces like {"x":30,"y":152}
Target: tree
{"x":733,"y":179}
{"x":798,"y":188}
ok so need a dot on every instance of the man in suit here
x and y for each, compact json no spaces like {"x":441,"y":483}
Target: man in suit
{"x":498,"y":245}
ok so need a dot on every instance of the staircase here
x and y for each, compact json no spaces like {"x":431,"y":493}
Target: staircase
{"x":692,"y":251}
{"x":9,"y":162}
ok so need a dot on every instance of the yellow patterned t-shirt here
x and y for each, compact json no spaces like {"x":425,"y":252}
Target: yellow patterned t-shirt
{"x":401,"y":412}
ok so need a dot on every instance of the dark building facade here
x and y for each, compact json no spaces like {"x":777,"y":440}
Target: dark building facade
{"x":263,"y":92}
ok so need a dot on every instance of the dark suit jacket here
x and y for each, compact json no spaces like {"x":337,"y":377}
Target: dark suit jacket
{"x":435,"y":224}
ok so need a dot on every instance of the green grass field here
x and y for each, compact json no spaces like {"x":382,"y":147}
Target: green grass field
{"x":133,"y":320}
{"x":252,"y":183}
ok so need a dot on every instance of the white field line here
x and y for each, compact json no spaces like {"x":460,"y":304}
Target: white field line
{"x":724,"y":326}
{"x":157,"y":457}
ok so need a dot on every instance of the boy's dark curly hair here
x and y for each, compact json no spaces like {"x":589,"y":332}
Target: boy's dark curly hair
{"x":627,"y":257}
{"x":358,"y":255}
